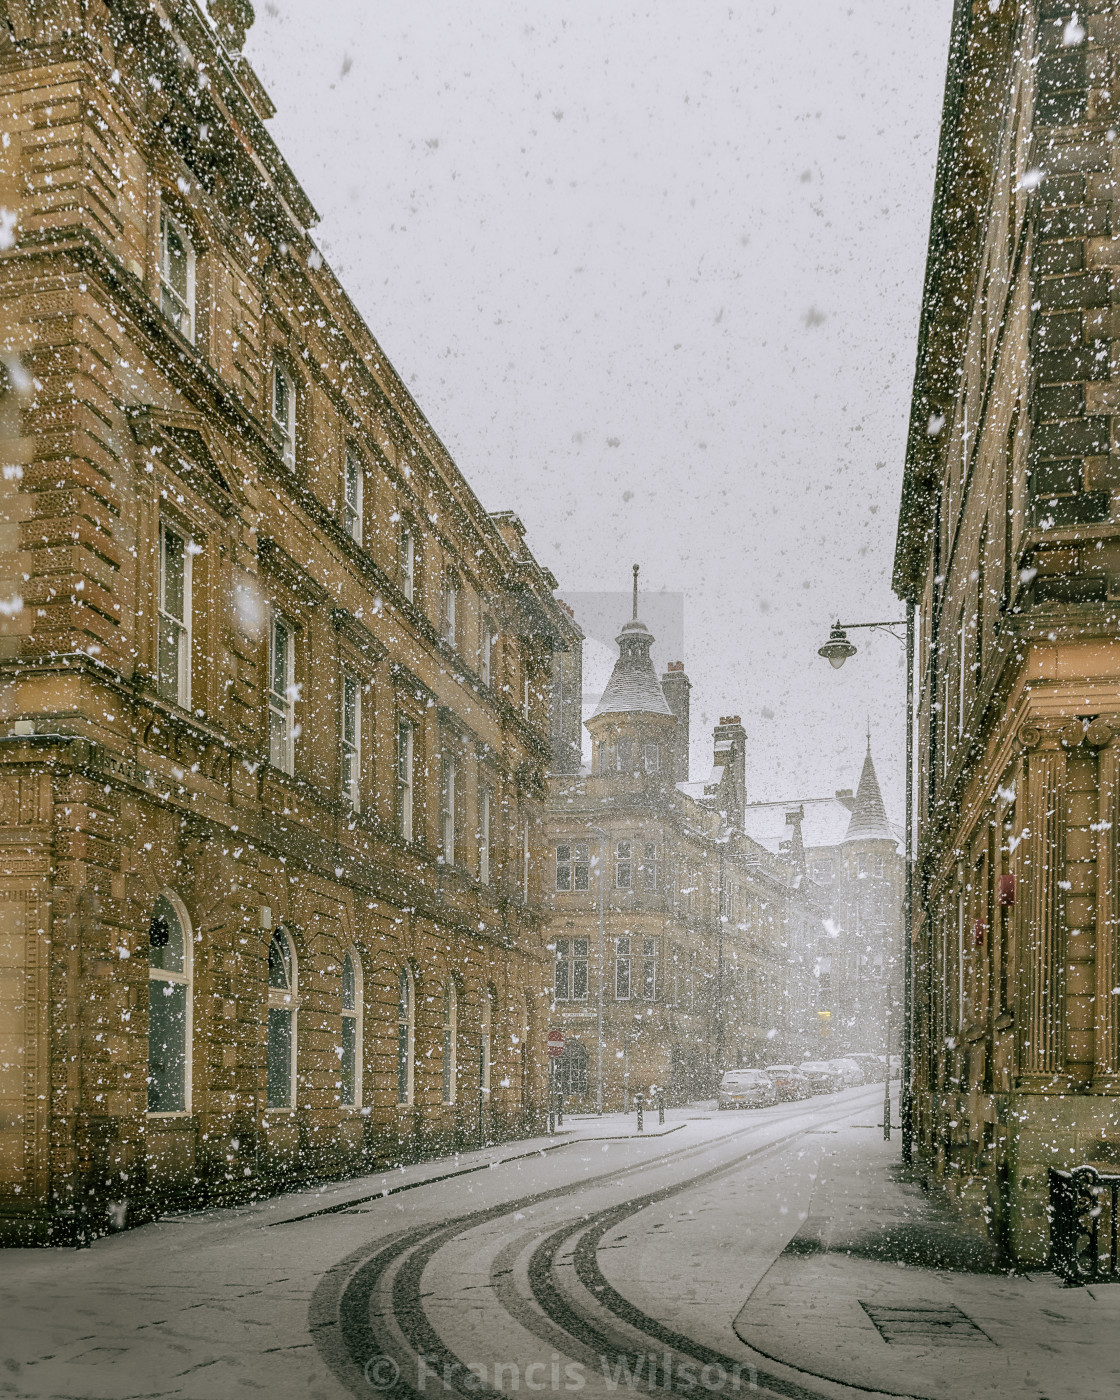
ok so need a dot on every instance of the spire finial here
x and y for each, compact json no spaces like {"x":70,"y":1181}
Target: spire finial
{"x":635,"y":592}
{"x":869,"y":733}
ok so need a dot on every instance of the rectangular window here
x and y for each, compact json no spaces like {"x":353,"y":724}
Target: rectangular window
{"x":622,"y":969}
{"x":525,"y":860}
{"x":486,"y":658}
{"x":167,"y":1046}
{"x":625,"y":755}
{"x":404,"y":778}
{"x":652,"y":758}
{"x":484,"y":836}
{"x":649,"y":969}
{"x":579,"y":969}
{"x":408,"y":564}
{"x":448,"y":809}
{"x":352,"y":740}
{"x":623,"y":866}
{"x":450,"y":610}
{"x":176,"y":276}
{"x":284,"y":414}
{"x":281,"y":698}
{"x":355,"y":488}
{"x":563,"y":969}
{"x":564,"y":868}
{"x":280,"y":1057}
{"x":649,"y":867}
{"x":581,"y":865}
{"x":349,"y":1064}
{"x":174,"y":661}
{"x":526,"y":695}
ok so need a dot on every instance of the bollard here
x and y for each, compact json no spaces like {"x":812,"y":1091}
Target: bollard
{"x":559,"y":1110}
{"x":641,"y":1105}
{"x":661,"y":1106}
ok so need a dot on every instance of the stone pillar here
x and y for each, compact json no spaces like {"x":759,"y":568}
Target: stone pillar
{"x":1106,"y":1060}
{"x":1042,"y":975}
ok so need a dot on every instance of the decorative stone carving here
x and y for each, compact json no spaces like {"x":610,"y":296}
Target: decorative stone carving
{"x":1072,"y":733}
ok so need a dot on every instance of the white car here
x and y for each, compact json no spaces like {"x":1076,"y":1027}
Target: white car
{"x":849,"y":1072}
{"x":747,"y":1088}
{"x":823,"y":1077}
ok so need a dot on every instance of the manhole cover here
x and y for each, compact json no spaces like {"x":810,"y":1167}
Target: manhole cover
{"x":939,"y":1323}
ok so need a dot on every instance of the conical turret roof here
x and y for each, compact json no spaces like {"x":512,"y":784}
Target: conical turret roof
{"x":633,"y":686}
{"x":869,"y":817}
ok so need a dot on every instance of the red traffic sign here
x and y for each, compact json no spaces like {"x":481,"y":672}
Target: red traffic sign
{"x":555,"y":1044}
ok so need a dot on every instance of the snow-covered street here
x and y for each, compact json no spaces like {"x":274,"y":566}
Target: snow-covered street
{"x":720,"y":1253}
{"x":559,"y":1263}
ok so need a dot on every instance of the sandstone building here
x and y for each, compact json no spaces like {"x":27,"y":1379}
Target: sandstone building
{"x":852,"y":976}
{"x":660,"y":904}
{"x":274,"y":688}
{"x":1009,"y":548}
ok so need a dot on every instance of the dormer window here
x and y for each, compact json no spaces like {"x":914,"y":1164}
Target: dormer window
{"x":284,"y":414}
{"x":176,"y":276}
{"x":651,"y":758}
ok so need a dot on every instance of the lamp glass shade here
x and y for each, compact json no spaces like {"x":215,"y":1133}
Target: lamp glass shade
{"x":837,"y":649}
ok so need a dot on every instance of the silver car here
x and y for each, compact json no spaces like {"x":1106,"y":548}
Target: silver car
{"x":747,"y":1088}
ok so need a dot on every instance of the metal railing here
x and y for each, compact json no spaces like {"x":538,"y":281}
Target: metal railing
{"x":1078,"y":1200}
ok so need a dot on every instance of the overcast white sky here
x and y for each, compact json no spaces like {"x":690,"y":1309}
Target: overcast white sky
{"x":653,"y":273}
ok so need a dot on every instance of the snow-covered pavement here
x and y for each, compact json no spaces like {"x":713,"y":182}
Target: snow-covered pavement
{"x":597,"y":1263}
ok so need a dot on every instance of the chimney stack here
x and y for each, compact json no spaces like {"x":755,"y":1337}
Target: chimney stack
{"x":676,"y":686}
{"x":730,"y":753}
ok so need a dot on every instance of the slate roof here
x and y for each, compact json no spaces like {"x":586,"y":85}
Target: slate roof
{"x":869,"y":816}
{"x":828,"y":821}
{"x":633,"y":686}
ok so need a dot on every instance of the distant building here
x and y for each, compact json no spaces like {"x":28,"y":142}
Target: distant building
{"x":700,"y":925}
{"x":854,"y":857}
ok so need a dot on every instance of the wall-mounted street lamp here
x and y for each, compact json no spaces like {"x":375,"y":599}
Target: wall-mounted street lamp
{"x":836,"y":651}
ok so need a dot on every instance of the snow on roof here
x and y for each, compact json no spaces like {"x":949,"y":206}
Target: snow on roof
{"x":869,"y":816}
{"x":825,"y":822}
{"x":633,"y":687}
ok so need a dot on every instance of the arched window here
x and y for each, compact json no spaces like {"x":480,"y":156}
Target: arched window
{"x":484,"y":1050}
{"x":351,"y":1030}
{"x":169,"y":1007}
{"x":283,"y":999}
{"x":450,"y":1032}
{"x":406,"y":1023}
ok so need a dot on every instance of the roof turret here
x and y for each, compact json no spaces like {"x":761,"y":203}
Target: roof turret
{"x":633,"y":686}
{"x":869,"y":817}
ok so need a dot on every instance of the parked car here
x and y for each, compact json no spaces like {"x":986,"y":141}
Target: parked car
{"x":822,"y":1078}
{"x":850,"y":1073}
{"x":872,"y":1066}
{"x":746,"y":1088}
{"x":789,"y":1082}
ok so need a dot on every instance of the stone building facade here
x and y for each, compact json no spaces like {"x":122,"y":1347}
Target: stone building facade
{"x":274,"y":688}
{"x":850,"y":982}
{"x":661,"y":903}
{"x":1009,"y":548}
